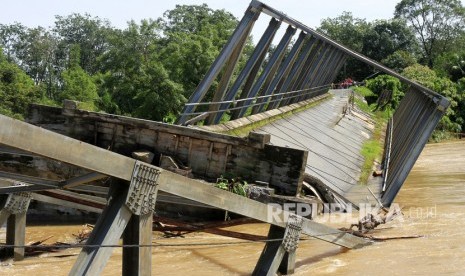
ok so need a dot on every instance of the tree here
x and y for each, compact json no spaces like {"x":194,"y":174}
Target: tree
{"x":16,"y":89}
{"x":399,"y":60}
{"x":452,"y":119}
{"x":90,"y":33}
{"x":451,"y":65}
{"x":77,"y":84}
{"x":216,"y":25}
{"x":11,"y":37}
{"x":134,"y":76}
{"x":349,"y":31}
{"x":346,"y":29}
{"x":187,"y":57}
{"x":388,"y":91}
{"x":194,"y":36}
{"x":436,"y":23}
{"x":385,"y":37}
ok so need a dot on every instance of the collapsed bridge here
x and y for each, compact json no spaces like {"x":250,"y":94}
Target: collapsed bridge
{"x":94,"y":146}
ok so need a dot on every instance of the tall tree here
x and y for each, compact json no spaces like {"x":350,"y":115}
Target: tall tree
{"x":16,"y":89}
{"x":217,"y":25}
{"x":77,"y":84}
{"x":385,"y":37}
{"x":135,"y":78}
{"x":349,"y":31}
{"x":11,"y":39}
{"x":436,"y":23}
{"x":194,"y":36}
{"x":90,"y":33}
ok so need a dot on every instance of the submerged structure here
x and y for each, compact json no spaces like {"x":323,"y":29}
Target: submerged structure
{"x":67,"y":156}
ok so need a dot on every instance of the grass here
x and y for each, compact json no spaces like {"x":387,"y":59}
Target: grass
{"x":372,"y":149}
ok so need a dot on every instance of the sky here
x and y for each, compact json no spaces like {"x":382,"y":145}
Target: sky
{"x":33,"y":13}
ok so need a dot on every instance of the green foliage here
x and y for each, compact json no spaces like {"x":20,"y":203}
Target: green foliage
{"x":377,"y":40}
{"x":349,"y":31}
{"x":436,"y":24}
{"x":386,"y":37}
{"x":451,"y":65}
{"x":17,"y":90}
{"x":136,"y":79}
{"x":371,"y":150}
{"x":77,"y":84}
{"x":399,"y":60}
{"x":234,"y":185}
{"x":90,"y":33}
{"x":156,"y":94}
{"x":384,"y":85}
{"x":187,"y":57}
{"x":423,"y":75}
{"x":363,"y":91}
{"x":195,"y":35}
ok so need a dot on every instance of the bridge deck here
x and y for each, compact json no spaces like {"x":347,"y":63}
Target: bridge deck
{"x":333,"y":139}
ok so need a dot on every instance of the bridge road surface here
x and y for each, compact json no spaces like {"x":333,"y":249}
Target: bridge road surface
{"x":333,"y":141}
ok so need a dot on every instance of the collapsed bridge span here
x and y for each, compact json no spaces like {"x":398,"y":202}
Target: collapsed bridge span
{"x":91,"y":146}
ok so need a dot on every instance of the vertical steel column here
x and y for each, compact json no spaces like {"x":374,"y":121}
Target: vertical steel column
{"x":338,"y":68}
{"x":226,"y":77}
{"x":296,"y":69}
{"x":270,"y":68}
{"x":313,"y":70}
{"x":16,"y":234}
{"x":225,"y":54}
{"x":283,"y":73}
{"x":274,"y":258}
{"x":320,"y":69}
{"x":319,"y":80}
{"x":308,"y":65}
{"x":262,"y":47}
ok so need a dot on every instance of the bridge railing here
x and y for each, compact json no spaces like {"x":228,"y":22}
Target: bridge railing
{"x":312,"y":61}
{"x":307,"y":63}
{"x":254,"y":102}
{"x":408,"y":131}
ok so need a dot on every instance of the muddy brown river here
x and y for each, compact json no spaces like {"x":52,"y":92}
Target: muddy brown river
{"x":432,"y":199}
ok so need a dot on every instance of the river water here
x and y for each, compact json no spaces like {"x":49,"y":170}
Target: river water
{"x":432,"y":202}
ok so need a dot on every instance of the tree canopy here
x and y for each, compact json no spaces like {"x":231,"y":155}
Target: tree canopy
{"x":435,"y":23}
{"x":149,"y":68}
